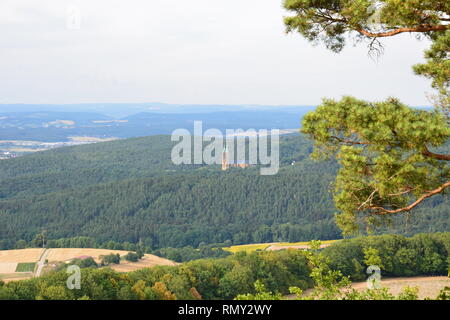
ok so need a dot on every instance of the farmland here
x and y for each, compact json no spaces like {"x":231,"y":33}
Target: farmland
{"x":429,"y":287}
{"x":21,"y":264}
{"x":21,"y":255}
{"x":68,"y":254}
{"x":18,"y":264}
{"x":147,"y":261}
{"x":275,"y":246}
{"x":26,"y":267}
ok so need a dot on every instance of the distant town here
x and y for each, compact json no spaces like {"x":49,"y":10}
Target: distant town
{"x":16,"y":148}
{"x":7,"y":155}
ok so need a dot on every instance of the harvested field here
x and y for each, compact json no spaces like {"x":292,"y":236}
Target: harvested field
{"x":20,"y":264}
{"x":8,"y":267}
{"x":147,"y":261}
{"x":21,"y":255}
{"x":67,"y":254}
{"x":429,"y":287}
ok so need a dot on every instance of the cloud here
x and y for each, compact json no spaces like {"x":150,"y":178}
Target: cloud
{"x":199,"y":51}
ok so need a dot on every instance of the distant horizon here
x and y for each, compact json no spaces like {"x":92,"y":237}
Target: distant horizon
{"x":178,"y":104}
{"x":124,"y":110}
{"x":160,"y":103}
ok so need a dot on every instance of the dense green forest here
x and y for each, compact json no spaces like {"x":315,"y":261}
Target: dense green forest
{"x":129,"y":191}
{"x":226,"y":278}
{"x":180,"y":210}
{"x":74,"y":167}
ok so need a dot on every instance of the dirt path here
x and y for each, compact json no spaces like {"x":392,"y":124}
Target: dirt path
{"x":41,"y":262}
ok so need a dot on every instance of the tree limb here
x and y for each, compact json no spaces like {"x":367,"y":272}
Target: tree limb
{"x":401,"y":193}
{"x":383,"y":211}
{"x":422,"y":28}
{"x":426,"y":152}
{"x":348,"y":141}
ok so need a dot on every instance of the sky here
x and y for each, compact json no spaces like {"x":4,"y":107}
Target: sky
{"x":187,"y":52}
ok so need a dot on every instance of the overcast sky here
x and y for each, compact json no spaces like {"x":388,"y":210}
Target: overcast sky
{"x":179,"y":51}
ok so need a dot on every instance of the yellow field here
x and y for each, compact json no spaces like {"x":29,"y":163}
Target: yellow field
{"x":248,"y":247}
{"x":67,"y":254}
{"x":21,"y":255}
{"x":298,"y":245}
{"x":147,"y":261}
{"x":303,"y":243}
{"x":275,"y":246}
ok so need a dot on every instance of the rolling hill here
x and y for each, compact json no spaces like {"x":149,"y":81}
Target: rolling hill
{"x":129,"y":191}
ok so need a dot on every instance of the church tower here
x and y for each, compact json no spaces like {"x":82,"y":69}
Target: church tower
{"x":225,"y":164}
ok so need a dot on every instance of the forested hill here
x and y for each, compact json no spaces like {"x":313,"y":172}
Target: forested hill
{"x":129,"y":190}
{"x":77,"y":166}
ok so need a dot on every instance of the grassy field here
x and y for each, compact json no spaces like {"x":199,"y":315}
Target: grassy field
{"x":25,"y":267}
{"x":15,"y":276}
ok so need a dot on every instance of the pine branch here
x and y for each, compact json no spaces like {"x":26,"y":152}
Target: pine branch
{"x":384,"y":211}
{"x":426,"y":152}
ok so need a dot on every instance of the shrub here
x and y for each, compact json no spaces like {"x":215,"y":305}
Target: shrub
{"x":110,"y":259}
{"x":132,"y":257}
